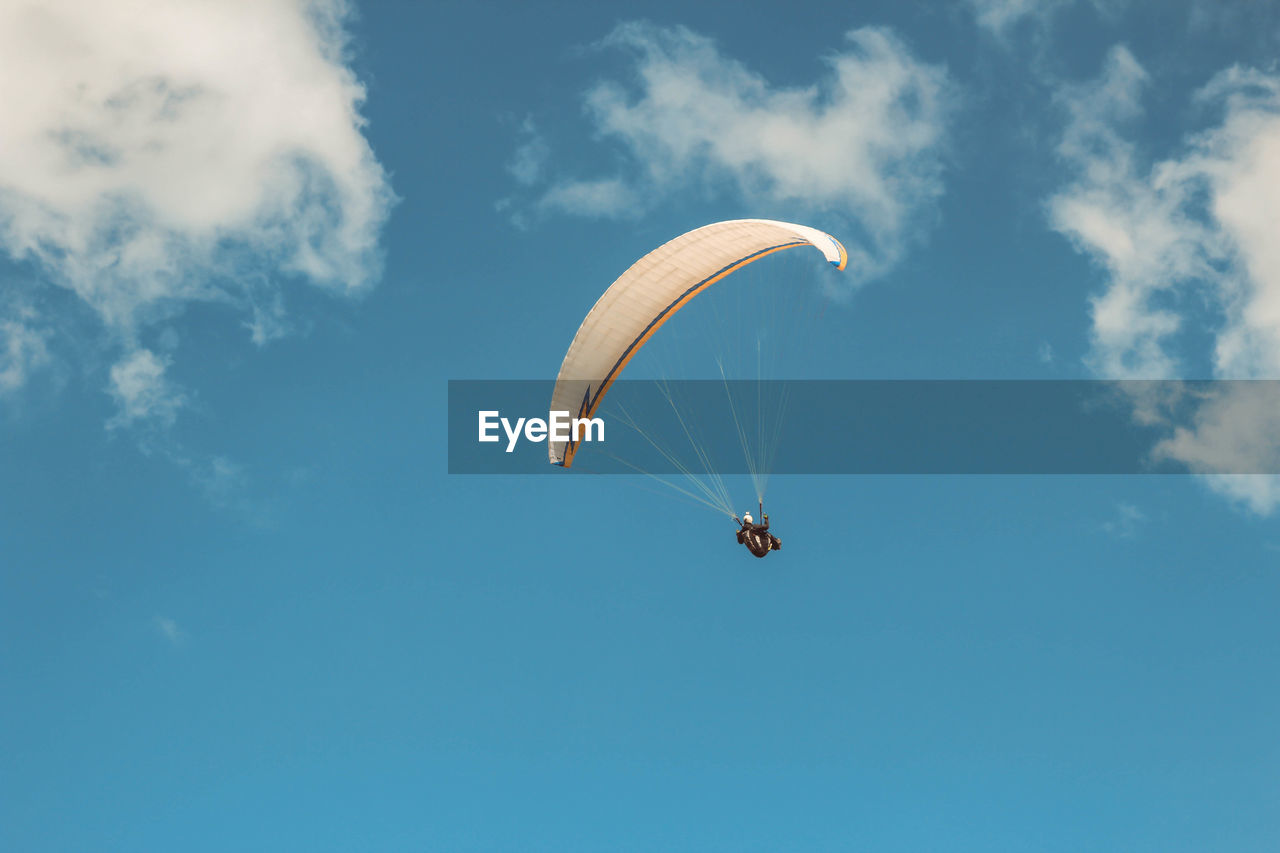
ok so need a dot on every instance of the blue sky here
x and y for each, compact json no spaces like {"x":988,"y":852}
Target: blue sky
{"x":245,"y":245}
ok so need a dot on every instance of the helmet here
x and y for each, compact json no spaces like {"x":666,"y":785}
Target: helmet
{"x":746,"y":516}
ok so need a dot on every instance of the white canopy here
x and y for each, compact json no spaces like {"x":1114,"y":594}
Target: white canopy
{"x":651,"y":292}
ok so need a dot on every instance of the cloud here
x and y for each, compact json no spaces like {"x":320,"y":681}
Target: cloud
{"x":609,"y":198}
{"x":223,"y":481}
{"x":1233,"y":429}
{"x":1186,"y":242}
{"x":1257,"y":493}
{"x":169,"y":629}
{"x":23,"y":349}
{"x":1204,"y":220}
{"x":530,"y":156}
{"x":1132,"y":220}
{"x":155,"y":155}
{"x":1233,"y":433}
{"x":1240,"y":163}
{"x":1126,"y":522}
{"x":863,"y":142}
{"x":999,"y":16}
{"x":141,"y":391}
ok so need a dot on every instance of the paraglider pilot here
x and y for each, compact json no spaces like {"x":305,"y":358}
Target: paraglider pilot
{"x":756,"y":537}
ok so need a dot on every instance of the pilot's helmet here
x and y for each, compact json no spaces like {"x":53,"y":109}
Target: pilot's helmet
{"x":746,"y":516}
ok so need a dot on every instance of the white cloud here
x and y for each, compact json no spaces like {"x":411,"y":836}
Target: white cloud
{"x":1240,"y":162}
{"x":1233,"y":433}
{"x":1234,"y":429}
{"x":1127,"y":520}
{"x":141,"y":391}
{"x":863,"y":142}
{"x":23,"y":349}
{"x":531,"y":154}
{"x":610,"y":198}
{"x":159,"y":152}
{"x":1132,"y":220}
{"x":223,"y":480}
{"x":1258,"y":493}
{"x":1206,"y":219}
{"x":999,"y":16}
{"x":1002,"y":17}
{"x":1188,"y":241}
{"x":169,"y":629}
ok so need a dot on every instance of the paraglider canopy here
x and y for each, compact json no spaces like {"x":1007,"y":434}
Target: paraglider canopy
{"x":649,"y":293}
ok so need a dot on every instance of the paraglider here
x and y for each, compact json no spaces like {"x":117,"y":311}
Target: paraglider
{"x":756,"y":537}
{"x":645,"y":297}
